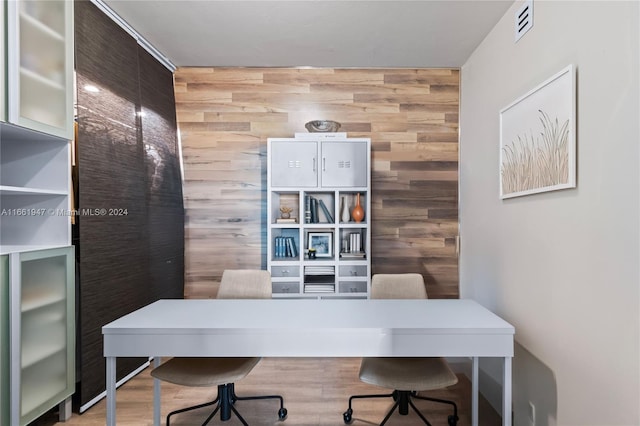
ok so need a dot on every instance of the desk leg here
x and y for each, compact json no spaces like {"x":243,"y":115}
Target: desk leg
{"x":111,"y":391}
{"x":506,"y":392}
{"x":474,"y":392}
{"x":156,"y":394}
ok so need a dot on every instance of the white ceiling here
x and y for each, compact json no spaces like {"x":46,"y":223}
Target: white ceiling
{"x":320,"y":33}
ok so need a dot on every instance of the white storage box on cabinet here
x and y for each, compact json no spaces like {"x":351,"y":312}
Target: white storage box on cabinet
{"x":321,"y":163}
{"x":311,"y":178}
{"x":42,"y":337}
{"x":40,"y":65}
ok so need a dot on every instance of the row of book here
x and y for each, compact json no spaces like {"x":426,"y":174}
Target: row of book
{"x":352,"y":247}
{"x":312,"y":207}
{"x":285,"y":247}
{"x":319,"y":288}
{"x":353,"y":255}
{"x":319,"y":274}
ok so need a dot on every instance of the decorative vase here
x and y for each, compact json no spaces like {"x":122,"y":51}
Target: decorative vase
{"x":344,"y":211}
{"x":358,"y":212}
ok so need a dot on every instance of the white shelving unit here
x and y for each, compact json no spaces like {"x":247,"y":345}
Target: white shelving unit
{"x":314,"y":175}
{"x":35,"y":180}
{"x":37,"y":359}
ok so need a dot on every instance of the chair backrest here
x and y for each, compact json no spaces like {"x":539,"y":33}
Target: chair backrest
{"x":245,"y":284}
{"x":398,"y":286}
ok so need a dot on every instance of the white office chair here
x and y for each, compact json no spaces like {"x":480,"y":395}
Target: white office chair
{"x":406,"y":376}
{"x":222,"y":372}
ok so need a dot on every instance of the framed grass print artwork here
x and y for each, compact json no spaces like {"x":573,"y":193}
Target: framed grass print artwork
{"x":538,"y":138}
{"x":322,"y":242}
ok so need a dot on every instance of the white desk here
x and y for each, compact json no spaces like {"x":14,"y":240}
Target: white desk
{"x":310,"y":328}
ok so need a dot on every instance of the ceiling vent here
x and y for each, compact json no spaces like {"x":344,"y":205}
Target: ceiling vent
{"x":523,"y":19}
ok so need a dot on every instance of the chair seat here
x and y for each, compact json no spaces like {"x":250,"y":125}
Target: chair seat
{"x":407,"y":374}
{"x":204,"y":371}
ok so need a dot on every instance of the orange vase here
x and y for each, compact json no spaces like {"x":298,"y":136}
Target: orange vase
{"x":358,"y":212}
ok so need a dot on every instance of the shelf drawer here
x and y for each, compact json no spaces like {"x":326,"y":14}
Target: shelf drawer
{"x":285,"y":271}
{"x":285,"y":287}
{"x":353,"y":286}
{"x":353,"y":270}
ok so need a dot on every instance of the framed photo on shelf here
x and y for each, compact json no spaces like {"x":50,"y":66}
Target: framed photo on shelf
{"x":322,"y":242}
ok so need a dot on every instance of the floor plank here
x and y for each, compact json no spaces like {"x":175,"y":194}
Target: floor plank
{"x":316,"y":392}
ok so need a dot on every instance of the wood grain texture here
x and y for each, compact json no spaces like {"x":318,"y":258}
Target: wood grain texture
{"x":315,"y":391}
{"x":225,"y":116}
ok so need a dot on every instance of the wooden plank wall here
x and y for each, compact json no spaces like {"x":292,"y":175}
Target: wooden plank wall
{"x":225,"y":116}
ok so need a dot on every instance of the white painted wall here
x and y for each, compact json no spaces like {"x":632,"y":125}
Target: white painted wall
{"x":562,"y":267}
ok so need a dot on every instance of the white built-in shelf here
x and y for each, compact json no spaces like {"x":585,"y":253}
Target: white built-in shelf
{"x":17,"y":248}
{"x":41,"y":352}
{"x":37,"y":26}
{"x":41,"y":79}
{"x":18,"y":190}
{"x":41,"y":302}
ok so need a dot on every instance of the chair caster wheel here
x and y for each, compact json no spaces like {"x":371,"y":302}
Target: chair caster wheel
{"x":347,"y":416}
{"x":282,"y":413}
{"x":452,"y":420}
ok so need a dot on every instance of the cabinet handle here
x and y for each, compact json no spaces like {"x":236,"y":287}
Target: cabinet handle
{"x":324,"y":164}
{"x":314,"y":164}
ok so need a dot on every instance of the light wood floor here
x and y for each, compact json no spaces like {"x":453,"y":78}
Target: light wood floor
{"x":315,"y":390}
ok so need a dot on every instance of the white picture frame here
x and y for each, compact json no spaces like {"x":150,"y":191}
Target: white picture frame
{"x":322,"y":242}
{"x":538,"y":138}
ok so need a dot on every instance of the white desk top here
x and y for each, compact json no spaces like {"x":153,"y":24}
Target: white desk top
{"x":217,"y":316}
{"x":265,"y":327}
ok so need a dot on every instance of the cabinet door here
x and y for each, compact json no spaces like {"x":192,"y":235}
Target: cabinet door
{"x":4,"y":340}
{"x":294,"y":164}
{"x":40,"y":65}
{"x":3,"y":92}
{"x":43,"y":332}
{"x":344,"y":164}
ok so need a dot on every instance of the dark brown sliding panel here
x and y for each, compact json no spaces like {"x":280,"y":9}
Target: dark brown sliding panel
{"x":130,"y":232}
{"x":113,"y":255}
{"x":164,"y":196}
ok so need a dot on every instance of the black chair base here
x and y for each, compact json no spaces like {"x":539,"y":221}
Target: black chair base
{"x":403,"y":402}
{"x":225,"y":404}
